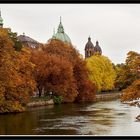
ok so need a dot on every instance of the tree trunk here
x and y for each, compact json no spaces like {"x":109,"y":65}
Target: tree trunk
{"x":40,"y":91}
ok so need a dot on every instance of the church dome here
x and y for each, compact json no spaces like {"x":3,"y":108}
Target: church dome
{"x":98,"y":48}
{"x":26,"y":40}
{"x":61,"y":35}
{"x":89,"y":44}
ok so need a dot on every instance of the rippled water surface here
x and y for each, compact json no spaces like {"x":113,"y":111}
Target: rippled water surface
{"x":102,"y":118}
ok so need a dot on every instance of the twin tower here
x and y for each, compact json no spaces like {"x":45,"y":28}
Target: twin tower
{"x":91,"y":50}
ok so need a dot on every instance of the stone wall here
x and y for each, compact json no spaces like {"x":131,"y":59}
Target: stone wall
{"x":40,"y":103}
{"x":107,"y":96}
{"x":99,"y":97}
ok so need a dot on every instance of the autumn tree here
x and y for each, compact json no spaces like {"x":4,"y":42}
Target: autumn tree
{"x":62,"y":49}
{"x":132,"y":92}
{"x":86,"y":88}
{"x":132,"y":75}
{"x":123,"y":76}
{"x":128,"y":72}
{"x":133,"y":63}
{"x":60,"y":79}
{"x":39,"y":58}
{"x":101,"y":72}
{"x":54,"y":74}
{"x":86,"y":92}
{"x":16,"y":80}
{"x":61,"y":70}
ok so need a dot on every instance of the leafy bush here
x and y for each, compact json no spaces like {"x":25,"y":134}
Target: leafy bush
{"x":57,"y":99}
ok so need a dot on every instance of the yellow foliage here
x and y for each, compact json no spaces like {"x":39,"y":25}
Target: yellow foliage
{"x":101,"y":72}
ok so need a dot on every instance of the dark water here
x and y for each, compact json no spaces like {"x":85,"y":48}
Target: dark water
{"x":102,"y":118}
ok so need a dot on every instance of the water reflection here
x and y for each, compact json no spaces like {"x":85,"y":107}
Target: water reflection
{"x":102,"y":118}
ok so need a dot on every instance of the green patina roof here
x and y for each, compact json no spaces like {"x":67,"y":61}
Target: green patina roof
{"x":61,"y":35}
{"x":1,"y":20}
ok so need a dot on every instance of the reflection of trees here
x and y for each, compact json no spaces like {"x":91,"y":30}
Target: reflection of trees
{"x":22,"y":123}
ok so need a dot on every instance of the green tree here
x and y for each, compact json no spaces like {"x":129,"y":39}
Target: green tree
{"x":17,"y":44}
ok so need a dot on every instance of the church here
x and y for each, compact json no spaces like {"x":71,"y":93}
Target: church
{"x":25,"y":40}
{"x":28,"y":41}
{"x":90,"y":49}
{"x":61,"y":35}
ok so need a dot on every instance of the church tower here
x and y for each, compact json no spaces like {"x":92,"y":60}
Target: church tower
{"x":98,"y":48}
{"x":89,"y":48}
{"x":1,"y":21}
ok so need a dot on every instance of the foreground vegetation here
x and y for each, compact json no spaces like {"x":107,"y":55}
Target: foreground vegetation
{"x":57,"y":69}
{"x":129,"y":77}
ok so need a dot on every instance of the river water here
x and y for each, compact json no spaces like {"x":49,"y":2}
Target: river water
{"x":102,"y":118}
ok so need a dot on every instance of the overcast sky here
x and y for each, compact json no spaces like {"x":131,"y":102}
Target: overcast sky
{"x":115,"y":26}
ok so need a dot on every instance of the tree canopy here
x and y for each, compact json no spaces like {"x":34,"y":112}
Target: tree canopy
{"x":61,"y":70}
{"x":101,"y":72}
{"x":16,"y":80}
{"x":131,"y":77}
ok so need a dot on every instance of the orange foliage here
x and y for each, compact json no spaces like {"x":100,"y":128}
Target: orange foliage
{"x":132,"y":92}
{"x":16,"y":81}
{"x":54,"y":74}
{"x":86,"y":88}
{"x":60,"y":69}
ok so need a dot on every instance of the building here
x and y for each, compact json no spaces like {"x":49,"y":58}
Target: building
{"x":60,"y":34}
{"x":90,"y":49}
{"x":28,"y":41}
{"x":25,"y":40}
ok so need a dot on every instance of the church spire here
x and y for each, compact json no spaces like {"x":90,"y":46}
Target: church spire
{"x":60,"y":27}
{"x":53,"y":31}
{"x":60,"y":34}
{"x":60,"y":19}
{"x":1,"y":20}
{"x":97,"y":43}
{"x":89,"y":39}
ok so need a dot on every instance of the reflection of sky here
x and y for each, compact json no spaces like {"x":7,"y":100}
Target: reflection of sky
{"x":127,"y":124}
{"x":115,"y":26}
{"x":103,"y":118}
{"x":121,"y":121}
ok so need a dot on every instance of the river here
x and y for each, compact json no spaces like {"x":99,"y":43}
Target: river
{"x":101,"y":118}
